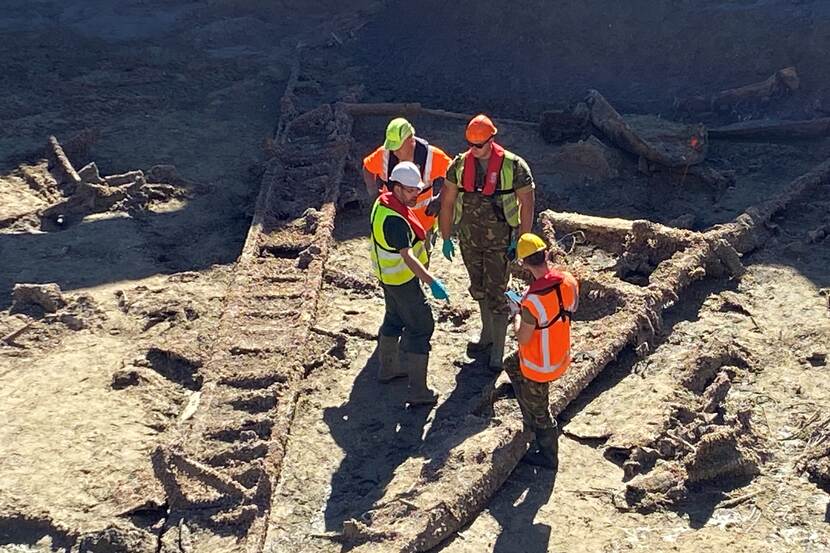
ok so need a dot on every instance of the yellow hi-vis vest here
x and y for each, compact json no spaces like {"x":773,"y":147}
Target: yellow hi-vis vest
{"x":388,"y":264}
{"x":504,"y":195}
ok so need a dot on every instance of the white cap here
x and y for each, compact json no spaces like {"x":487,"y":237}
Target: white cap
{"x":407,"y":174}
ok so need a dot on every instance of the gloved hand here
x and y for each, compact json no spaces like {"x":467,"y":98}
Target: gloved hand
{"x":434,"y":206}
{"x":448,"y":249}
{"x":514,"y":301}
{"x":511,"y":250}
{"x":439,"y":291}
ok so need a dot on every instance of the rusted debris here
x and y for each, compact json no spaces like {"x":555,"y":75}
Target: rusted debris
{"x":61,"y":166}
{"x":92,"y":193}
{"x":646,"y":245}
{"x":691,"y":433}
{"x":661,"y":146}
{"x":771,"y":129}
{"x":780,"y":84}
{"x":560,"y":125}
{"x":263,"y":347}
{"x":607,"y":233}
{"x":390,"y":108}
{"x":415,"y":108}
{"x":416,"y":516}
{"x":642,"y":245}
{"x":719,"y":180}
{"x":665,"y":483}
{"x":167,"y":461}
{"x":721,"y":452}
{"x":656,"y":140}
{"x":177,"y":363}
{"x":68,"y":194}
{"x":749,"y":230}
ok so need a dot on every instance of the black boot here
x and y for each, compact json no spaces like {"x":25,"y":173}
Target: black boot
{"x":418,"y":392}
{"x":546,"y":452}
{"x":389,"y":367}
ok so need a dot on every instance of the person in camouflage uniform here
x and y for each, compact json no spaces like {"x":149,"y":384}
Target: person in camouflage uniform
{"x":488,"y":200}
{"x":533,"y":397}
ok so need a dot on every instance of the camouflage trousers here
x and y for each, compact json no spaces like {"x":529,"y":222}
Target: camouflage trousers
{"x":489,"y":271}
{"x":429,"y":243}
{"x":533,"y":397}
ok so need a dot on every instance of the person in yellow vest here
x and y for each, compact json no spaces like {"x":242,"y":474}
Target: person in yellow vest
{"x":401,"y":144}
{"x":488,"y":200}
{"x":399,"y":257}
{"x":542,"y":324}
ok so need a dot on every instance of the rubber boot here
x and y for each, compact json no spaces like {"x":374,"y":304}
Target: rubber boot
{"x":390,"y":367}
{"x":486,"y":339}
{"x":546,"y":453}
{"x":418,"y":393}
{"x":499,"y":329}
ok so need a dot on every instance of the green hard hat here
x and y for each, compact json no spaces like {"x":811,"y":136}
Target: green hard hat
{"x":398,"y":130}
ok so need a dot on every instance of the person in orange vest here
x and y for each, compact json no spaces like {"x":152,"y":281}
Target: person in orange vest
{"x":488,"y":200}
{"x":401,"y":144}
{"x":542,"y":324}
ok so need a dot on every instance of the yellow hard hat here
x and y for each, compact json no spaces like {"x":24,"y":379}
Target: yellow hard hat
{"x":529,"y":244}
{"x":398,"y":130}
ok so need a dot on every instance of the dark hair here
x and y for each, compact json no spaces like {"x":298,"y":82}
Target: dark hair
{"x":536,"y":259}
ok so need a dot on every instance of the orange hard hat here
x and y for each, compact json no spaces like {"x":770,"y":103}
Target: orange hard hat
{"x":480,"y":129}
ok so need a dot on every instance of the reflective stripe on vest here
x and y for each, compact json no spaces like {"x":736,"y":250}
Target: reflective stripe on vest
{"x":422,"y":157}
{"x":422,"y":203}
{"x":547,"y":355}
{"x":505,"y":195}
{"x":387,"y":263}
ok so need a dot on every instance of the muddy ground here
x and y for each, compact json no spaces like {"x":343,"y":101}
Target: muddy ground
{"x":90,"y":388}
{"x":576,"y":509}
{"x":643,"y":53}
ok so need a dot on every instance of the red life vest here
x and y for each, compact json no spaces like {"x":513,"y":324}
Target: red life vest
{"x":551,"y":279}
{"x":491,"y":178}
{"x":389,"y":200}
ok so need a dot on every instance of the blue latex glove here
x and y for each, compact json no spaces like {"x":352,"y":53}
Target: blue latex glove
{"x":448,"y":249}
{"x":511,"y":250}
{"x":439,"y":291}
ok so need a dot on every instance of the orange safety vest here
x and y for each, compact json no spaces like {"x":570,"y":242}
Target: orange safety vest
{"x":552,"y":300}
{"x":432,"y":162}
